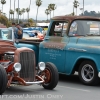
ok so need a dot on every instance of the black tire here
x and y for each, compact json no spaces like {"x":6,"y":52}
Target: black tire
{"x":3,"y":80}
{"x":88,"y":73}
{"x":54,"y":76}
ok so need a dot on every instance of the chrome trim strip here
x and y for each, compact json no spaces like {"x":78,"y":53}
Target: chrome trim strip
{"x":76,"y":49}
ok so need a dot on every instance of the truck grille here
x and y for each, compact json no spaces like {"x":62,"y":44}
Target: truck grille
{"x":27,"y":60}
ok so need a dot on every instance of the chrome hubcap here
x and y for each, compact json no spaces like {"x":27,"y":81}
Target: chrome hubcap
{"x":87,"y":72}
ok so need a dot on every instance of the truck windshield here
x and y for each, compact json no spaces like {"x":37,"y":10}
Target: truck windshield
{"x":85,"y":27}
{"x":6,"y":34}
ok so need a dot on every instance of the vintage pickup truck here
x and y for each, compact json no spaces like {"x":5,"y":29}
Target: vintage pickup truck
{"x":72,"y":43}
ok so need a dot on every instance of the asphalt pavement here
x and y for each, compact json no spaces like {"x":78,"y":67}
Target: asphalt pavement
{"x":68,"y":88}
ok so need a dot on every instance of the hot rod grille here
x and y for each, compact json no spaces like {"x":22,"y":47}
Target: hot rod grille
{"x":28,"y":64}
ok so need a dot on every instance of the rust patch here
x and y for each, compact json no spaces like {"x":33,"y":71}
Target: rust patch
{"x":55,"y":39}
{"x":71,"y":18}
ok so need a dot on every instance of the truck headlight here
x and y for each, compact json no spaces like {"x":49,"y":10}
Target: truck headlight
{"x":41,"y":66}
{"x":17,"y":67}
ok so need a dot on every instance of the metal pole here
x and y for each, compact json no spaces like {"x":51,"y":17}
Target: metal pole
{"x":29,"y":10}
{"x":73,"y":10}
{"x":10,"y":9}
{"x":83,"y":7}
{"x":18,"y":11}
{"x":14,"y":5}
{"x":14,"y":10}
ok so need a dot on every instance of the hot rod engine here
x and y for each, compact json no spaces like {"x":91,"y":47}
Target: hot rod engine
{"x":9,"y":56}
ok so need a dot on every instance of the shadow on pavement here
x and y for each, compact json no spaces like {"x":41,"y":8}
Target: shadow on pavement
{"x":73,"y":79}
{"x":69,"y":78}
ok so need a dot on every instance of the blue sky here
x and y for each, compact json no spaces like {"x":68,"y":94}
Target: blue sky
{"x":63,"y":7}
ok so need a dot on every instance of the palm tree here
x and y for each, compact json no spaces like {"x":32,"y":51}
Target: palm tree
{"x":47,"y":12}
{"x":38,"y":4}
{"x":20,"y":13}
{"x":27,"y":10}
{"x":12,"y":13}
{"x":49,"y":7}
{"x":76,"y":4}
{"x":17,"y":9}
{"x":3,"y":2}
{"x":53,"y":7}
{"x":23,"y":11}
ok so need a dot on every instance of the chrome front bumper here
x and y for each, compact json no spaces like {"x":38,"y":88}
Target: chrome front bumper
{"x":99,"y":74}
{"x":28,"y":83}
{"x":19,"y":81}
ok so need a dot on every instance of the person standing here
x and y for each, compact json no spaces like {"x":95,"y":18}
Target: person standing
{"x":14,"y":30}
{"x":19,"y":31}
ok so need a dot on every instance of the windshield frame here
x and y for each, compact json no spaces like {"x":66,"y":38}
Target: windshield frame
{"x":11,"y":34}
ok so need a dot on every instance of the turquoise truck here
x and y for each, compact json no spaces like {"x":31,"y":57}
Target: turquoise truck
{"x":72,"y":43}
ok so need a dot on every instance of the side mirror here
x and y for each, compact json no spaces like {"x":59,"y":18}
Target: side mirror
{"x":16,"y":41}
{"x":57,"y":23}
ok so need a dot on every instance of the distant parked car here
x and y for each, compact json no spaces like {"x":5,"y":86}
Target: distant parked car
{"x":34,"y":32}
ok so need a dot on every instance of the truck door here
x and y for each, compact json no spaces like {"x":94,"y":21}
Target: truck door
{"x":53,"y":48}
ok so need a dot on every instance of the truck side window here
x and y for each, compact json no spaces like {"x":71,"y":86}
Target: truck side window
{"x":58,"y":28}
{"x":73,"y":28}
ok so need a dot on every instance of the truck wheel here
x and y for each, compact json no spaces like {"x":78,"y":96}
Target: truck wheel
{"x":88,"y":73}
{"x":3,"y":80}
{"x":50,"y":75}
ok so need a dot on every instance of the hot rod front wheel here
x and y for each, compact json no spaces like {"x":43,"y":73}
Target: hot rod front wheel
{"x":50,"y":75}
{"x":3,"y":80}
{"x":88,"y":73}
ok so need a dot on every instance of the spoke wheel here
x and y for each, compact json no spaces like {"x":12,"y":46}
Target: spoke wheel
{"x":88,"y":73}
{"x":50,"y":75}
{"x":46,"y":76}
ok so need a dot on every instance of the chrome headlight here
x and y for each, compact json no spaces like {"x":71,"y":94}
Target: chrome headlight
{"x":41,"y":66}
{"x":17,"y":67}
